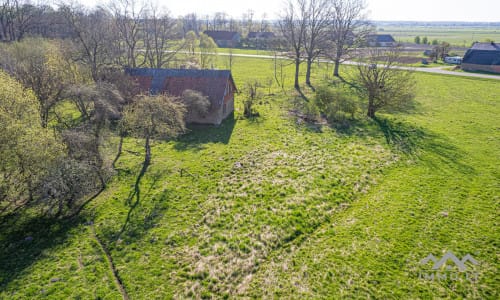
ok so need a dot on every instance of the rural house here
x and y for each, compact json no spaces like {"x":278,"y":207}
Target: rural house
{"x":261,"y":35}
{"x":482,"y":57}
{"x":217,"y":85}
{"x":380,"y":40}
{"x":225,"y":39}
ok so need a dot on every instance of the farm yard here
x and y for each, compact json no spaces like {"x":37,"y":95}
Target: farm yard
{"x":272,"y":206}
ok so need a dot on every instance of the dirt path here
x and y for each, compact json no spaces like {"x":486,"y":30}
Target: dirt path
{"x":104,"y":249}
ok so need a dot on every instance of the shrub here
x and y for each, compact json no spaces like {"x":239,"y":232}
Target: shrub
{"x":196,"y":103}
{"x":336,"y":102}
{"x":311,"y":110}
{"x":251,"y":89}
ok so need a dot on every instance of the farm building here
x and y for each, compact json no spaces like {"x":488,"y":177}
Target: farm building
{"x":261,"y":35}
{"x":380,"y":40}
{"x":224,"y":38}
{"x":217,"y":85}
{"x":482,"y":57}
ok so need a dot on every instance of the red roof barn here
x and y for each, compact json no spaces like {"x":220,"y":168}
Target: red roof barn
{"x":217,"y":85}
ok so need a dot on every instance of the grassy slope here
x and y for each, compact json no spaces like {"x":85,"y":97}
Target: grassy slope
{"x":268,"y":207}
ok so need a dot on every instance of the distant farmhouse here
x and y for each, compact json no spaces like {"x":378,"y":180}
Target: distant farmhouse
{"x":217,"y":85}
{"x":225,"y":39}
{"x":482,"y":57}
{"x":261,"y":35}
{"x":260,"y":40}
{"x":380,"y":40}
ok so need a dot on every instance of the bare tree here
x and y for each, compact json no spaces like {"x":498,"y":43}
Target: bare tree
{"x":190,"y":23}
{"x":441,"y":50}
{"x":318,"y":13}
{"x":99,"y":104}
{"x":293,"y":27}
{"x":348,"y":28}
{"x":160,"y":37}
{"x":127,"y":17}
{"x":383,"y":85}
{"x":18,"y":17}
{"x":220,"y":21}
{"x":279,"y":74}
{"x":248,"y":20}
{"x":93,"y":37}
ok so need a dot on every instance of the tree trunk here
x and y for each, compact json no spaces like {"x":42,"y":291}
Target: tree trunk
{"x":147,"y":157}
{"x":336,"y":69}
{"x":44,"y":117}
{"x":120,"y":146}
{"x":297,"y":69}
{"x":308,"y":72}
{"x":371,"y":108}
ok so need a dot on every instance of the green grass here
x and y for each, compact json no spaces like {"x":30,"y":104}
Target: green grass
{"x":271,"y":207}
{"x":455,"y":35}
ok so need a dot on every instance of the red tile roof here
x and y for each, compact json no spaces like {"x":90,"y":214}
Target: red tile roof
{"x":211,"y":83}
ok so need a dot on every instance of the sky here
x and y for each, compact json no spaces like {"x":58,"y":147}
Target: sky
{"x":379,"y":10}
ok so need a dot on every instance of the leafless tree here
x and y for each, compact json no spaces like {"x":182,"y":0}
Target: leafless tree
{"x":348,"y":28}
{"x":279,"y":74}
{"x":190,"y":23}
{"x":264,"y":23}
{"x":159,"y":38}
{"x":293,"y":27}
{"x":247,"y":20}
{"x":318,"y":13}
{"x":127,"y":17}
{"x":383,"y":85}
{"x":220,"y":21}
{"x":18,"y":17}
{"x":93,"y":37}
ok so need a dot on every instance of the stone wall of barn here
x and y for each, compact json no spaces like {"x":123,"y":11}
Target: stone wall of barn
{"x":483,"y":68}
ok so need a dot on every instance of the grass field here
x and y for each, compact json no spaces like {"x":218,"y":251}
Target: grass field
{"x":272,"y":207}
{"x":455,"y":35}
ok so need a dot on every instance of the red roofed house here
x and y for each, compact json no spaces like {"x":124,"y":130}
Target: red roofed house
{"x":217,"y":85}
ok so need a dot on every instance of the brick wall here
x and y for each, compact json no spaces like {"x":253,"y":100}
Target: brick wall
{"x":483,"y":68}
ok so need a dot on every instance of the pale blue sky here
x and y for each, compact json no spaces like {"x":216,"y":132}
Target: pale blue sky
{"x":403,"y":10}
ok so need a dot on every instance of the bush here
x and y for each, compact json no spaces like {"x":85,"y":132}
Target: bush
{"x":196,"y":103}
{"x":251,"y":89}
{"x":312,"y":111}
{"x":336,"y":102}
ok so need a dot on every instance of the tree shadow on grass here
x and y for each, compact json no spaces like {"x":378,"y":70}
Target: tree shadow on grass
{"x":134,"y":198}
{"x":24,"y":240}
{"x":430,"y":148}
{"x":204,"y":134}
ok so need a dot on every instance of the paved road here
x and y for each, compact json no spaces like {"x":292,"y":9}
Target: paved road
{"x":425,"y":70}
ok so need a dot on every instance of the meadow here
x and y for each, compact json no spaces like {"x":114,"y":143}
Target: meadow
{"x":458,"y":36}
{"x":275,"y":207}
